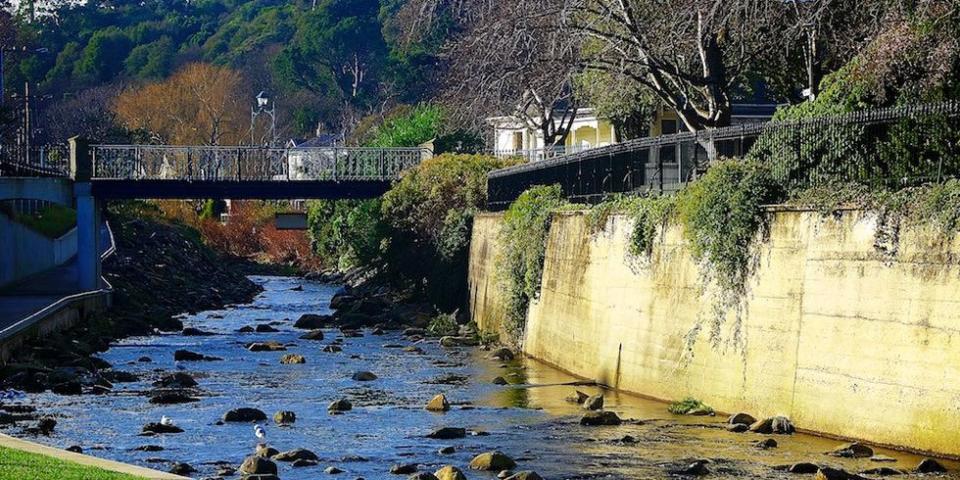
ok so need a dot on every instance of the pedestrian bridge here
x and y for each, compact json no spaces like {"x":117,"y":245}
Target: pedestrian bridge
{"x":156,"y":171}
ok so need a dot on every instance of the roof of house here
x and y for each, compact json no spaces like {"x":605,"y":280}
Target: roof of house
{"x":322,"y":140}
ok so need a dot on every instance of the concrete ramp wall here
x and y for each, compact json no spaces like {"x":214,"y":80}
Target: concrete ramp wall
{"x":845,"y":338}
{"x":24,"y":252}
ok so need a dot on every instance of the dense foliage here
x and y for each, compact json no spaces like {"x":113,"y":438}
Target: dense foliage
{"x":327,"y":62}
{"x":417,"y":234}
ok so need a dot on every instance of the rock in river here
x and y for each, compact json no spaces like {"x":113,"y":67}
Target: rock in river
{"x":315,"y":334}
{"x":292,"y":359}
{"x":296,"y":454}
{"x":594,"y":403}
{"x":404,"y":469}
{"x":767,"y":426}
{"x":160,"y":428}
{"x":499,"y":381}
{"x":311,"y":321}
{"x":176,"y":380}
{"x":244,"y":415}
{"x":195,"y":332}
{"x":182,"y":469}
{"x":171,"y":397}
{"x":525,"y":475}
{"x":265,"y":328}
{"x":188,"y":356}
{"x":254,"y":465}
{"x":827,"y":473}
{"x":450,"y":472}
{"x":492,"y":461}
{"x":448,"y":433}
{"x":595,"y":418}
{"x":577,"y":397}
{"x":741,"y":419}
{"x":503,"y":354}
{"x":364,"y":376}
{"x":852,"y":450}
{"x":284,"y":417}
{"x":266,"y":347}
{"x":929,"y":465}
{"x":451,"y":342}
{"x":422,"y":476}
{"x":438,"y":403}
{"x":341,"y":405}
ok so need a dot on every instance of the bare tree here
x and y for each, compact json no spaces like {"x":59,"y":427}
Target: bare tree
{"x":821,"y":36}
{"x":507,"y":56}
{"x":690,"y":53}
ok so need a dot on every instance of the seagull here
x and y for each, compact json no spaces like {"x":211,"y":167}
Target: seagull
{"x":165,"y":421}
{"x":260,"y":433}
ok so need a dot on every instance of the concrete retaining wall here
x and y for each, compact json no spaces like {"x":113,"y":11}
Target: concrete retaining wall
{"x":63,"y":315}
{"x":844,"y":339}
{"x":24,"y":252}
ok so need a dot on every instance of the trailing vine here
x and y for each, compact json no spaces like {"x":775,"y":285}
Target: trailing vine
{"x":523,"y":240}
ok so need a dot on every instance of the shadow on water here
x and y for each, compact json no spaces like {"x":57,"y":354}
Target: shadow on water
{"x":529,"y":419}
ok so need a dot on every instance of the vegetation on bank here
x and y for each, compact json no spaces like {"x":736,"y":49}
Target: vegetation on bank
{"x":690,"y":406}
{"x":523,"y":240}
{"x":52,"y":221}
{"x":20,"y":465}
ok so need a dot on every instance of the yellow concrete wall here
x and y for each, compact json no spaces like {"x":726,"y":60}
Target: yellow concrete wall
{"x":841,"y":338}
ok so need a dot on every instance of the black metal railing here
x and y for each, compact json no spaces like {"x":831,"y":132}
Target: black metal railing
{"x":892,"y":146}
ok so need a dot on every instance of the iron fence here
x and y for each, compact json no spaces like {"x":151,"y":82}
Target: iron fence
{"x":892,"y":146}
{"x":215,"y":163}
{"x":35,"y":161}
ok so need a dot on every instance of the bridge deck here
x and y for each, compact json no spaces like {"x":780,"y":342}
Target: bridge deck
{"x":238,"y":190}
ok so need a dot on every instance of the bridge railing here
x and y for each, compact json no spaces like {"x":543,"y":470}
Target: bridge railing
{"x":242,"y":163}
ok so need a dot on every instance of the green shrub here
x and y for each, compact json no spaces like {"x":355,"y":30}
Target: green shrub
{"x":690,"y":406}
{"x":347,"y":233}
{"x":722,"y":214}
{"x":443,"y":325}
{"x":435,"y":200}
{"x":523,"y":241}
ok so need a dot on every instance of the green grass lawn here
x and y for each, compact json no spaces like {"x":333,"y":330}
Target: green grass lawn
{"x":52,"y":221}
{"x":18,"y":465}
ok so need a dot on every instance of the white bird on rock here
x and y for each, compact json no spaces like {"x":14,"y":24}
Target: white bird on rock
{"x":260,"y":433}
{"x":165,"y":421}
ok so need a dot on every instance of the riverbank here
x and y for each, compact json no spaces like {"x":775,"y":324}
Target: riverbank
{"x":836,"y":320}
{"x":296,"y":383}
{"x":159,"y":270}
{"x":21,"y":460}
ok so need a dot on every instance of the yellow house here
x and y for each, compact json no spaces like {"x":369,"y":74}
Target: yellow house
{"x":513,"y":137}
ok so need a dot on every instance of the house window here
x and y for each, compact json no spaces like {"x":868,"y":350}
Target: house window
{"x":518,"y":140}
{"x":668,"y":126}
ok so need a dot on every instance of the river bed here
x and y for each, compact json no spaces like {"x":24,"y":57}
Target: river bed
{"x":530,"y":421}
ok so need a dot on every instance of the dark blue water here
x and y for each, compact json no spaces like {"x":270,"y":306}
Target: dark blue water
{"x":388,"y":422}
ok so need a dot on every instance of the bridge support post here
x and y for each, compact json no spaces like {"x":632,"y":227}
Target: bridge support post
{"x":88,"y":237}
{"x":88,"y":216}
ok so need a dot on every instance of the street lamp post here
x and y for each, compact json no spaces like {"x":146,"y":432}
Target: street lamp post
{"x":264,"y":105}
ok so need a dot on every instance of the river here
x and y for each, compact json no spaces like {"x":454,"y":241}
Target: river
{"x":531,"y":422}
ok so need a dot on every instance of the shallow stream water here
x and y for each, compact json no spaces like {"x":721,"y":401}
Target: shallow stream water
{"x":529,"y":421}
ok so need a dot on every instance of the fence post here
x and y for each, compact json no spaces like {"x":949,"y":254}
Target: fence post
{"x":239,"y":175}
{"x":81,"y":164}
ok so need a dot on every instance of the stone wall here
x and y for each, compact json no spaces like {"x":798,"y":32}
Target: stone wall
{"x":845,"y":338}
